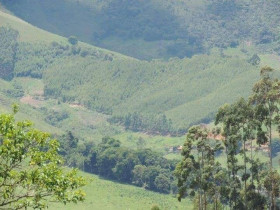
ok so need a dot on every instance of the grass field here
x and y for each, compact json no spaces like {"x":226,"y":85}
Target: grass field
{"x":107,"y":195}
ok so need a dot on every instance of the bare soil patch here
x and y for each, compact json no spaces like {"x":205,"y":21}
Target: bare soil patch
{"x":31,"y":101}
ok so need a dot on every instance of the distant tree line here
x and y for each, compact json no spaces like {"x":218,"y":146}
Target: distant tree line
{"x":149,"y":123}
{"x":141,"y":167}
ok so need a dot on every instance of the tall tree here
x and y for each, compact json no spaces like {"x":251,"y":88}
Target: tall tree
{"x":266,"y":98}
{"x":227,"y":117}
{"x":195,"y":172}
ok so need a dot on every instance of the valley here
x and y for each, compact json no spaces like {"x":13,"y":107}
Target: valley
{"x":136,"y":77}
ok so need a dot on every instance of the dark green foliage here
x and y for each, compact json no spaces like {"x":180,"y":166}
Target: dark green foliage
{"x":73,"y":40}
{"x":141,"y":167}
{"x":141,"y":19}
{"x":162,"y":183}
{"x":109,"y":159}
{"x":155,"y":207}
{"x":254,"y":60}
{"x":54,"y":117}
{"x":8,"y":48}
{"x":75,"y":152}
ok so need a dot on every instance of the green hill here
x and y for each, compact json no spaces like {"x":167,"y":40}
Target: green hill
{"x":187,"y":91}
{"x":157,"y":28}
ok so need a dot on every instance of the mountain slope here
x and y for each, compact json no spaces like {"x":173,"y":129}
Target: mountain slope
{"x":157,"y":28}
{"x":34,"y":35}
{"x":177,"y":88}
{"x":186,"y":90}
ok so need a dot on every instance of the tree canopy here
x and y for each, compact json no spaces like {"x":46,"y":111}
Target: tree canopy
{"x":31,"y":171}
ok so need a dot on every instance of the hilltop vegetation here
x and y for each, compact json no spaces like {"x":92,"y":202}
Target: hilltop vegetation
{"x":158,"y":28}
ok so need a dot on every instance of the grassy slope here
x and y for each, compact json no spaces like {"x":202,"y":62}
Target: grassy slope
{"x":26,"y":112}
{"x":27,"y":32}
{"x":108,"y":195}
{"x":30,"y":33}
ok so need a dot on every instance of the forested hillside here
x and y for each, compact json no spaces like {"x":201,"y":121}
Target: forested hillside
{"x":158,"y":96}
{"x":158,"y":28}
{"x":178,"y":88}
{"x":186,"y":91}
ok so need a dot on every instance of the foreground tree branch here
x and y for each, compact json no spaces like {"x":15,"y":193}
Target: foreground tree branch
{"x":31,"y":171}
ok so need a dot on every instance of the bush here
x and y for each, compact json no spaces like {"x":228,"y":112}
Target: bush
{"x":73,"y":40}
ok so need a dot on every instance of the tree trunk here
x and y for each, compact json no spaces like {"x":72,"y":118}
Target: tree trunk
{"x":245,"y":167}
{"x":270,"y":158}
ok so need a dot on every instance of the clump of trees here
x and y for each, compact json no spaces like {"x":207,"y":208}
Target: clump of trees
{"x":73,"y":40}
{"x":244,"y":182}
{"x":55,"y":116}
{"x":153,"y":124}
{"x":31,"y":170}
{"x":140,"y":167}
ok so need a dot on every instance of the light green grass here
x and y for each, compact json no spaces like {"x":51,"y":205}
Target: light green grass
{"x":27,"y":32}
{"x":107,"y":195}
{"x":157,"y":143}
{"x":30,"y":33}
